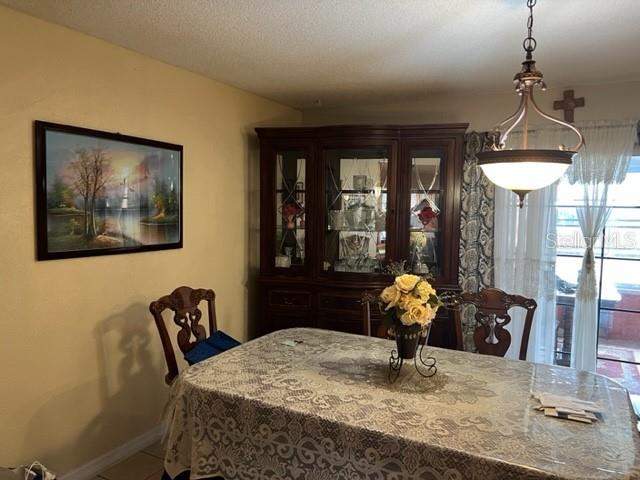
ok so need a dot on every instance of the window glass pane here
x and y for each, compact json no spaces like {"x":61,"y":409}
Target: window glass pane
{"x":619,"y":332}
{"x":622,"y":239}
{"x":624,"y":373}
{"x":569,"y":195}
{"x":569,"y":235}
{"x":356,"y":209}
{"x":564,"y":322}
{"x":619,"y":335}
{"x":626,"y":194}
{"x":290,"y":208}
{"x":621,"y":284}
{"x":567,"y":271}
{"x":424,"y":212}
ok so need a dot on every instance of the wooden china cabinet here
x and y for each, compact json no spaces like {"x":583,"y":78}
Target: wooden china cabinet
{"x":339,"y":203}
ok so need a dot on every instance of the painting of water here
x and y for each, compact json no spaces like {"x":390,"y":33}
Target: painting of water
{"x":102,"y":193}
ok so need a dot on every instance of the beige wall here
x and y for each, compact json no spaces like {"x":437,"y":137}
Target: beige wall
{"x":82,"y":368}
{"x":483,"y":110}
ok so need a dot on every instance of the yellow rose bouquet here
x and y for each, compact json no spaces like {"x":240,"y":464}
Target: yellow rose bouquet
{"x":411,"y":301}
{"x":408,"y":307}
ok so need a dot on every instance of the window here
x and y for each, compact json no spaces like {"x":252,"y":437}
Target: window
{"x":617,"y":255}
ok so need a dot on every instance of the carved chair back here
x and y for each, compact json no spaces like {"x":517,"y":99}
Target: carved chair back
{"x":371,"y":317}
{"x":184,"y":303}
{"x":492,"y":307}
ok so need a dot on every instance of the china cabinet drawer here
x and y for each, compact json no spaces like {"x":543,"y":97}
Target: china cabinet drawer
{"x":330,"y":301}
{"x":280,"y":321}
{"x":340,"y":323}
{"x":288,"y":298}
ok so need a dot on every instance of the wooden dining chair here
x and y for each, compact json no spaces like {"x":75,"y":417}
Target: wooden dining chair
{"x":371,"y":317}
{"x":492,"y":307}
{"x":184,"y":303}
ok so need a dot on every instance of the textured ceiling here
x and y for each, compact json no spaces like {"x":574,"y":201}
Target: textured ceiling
{"x":364,"y":51}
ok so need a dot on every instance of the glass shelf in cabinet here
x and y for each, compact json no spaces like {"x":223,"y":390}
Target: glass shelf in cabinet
{"x":352,"y":229}
{"x":362,"y":190}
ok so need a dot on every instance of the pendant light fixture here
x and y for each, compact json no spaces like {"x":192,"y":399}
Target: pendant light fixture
{"x":523,"y":170}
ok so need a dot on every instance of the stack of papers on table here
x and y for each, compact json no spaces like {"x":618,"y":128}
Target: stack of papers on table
{"x":569,"y":408}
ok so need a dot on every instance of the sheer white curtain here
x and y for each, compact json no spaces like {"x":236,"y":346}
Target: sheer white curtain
{"x":603,"y":162}
{"x":524,"y":258}
{"x":525,"y":239}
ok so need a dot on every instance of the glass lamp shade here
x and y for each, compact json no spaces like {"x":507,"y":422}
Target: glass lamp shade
{"x":526,"y":176}
{"x":524,"y":170}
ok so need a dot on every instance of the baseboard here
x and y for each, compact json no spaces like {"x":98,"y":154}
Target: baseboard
{"x":90,"y":469}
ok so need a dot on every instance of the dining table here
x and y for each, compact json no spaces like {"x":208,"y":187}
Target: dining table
{"x":313,"y":404}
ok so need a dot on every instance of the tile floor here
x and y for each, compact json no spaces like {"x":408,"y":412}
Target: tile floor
{"x":145,"y":465}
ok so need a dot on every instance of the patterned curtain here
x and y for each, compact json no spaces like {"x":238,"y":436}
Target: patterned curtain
{"x":476,"y":239}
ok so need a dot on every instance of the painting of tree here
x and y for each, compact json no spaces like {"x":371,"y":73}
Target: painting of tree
{"x":60,"y":195}
{"x":165,"y":202}
{"x":91,"y":173}
{"x":105,"y":193}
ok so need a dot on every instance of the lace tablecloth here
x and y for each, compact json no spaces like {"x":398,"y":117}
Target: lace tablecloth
{"x":323,"y":410}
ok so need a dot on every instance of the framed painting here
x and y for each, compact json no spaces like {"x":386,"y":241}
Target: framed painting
{"x":100,"y":193}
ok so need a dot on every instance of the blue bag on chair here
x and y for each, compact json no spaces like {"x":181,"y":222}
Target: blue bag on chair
{"x":222,"y":341}
{"x":200,"y":352}
{"x":217,"y":343}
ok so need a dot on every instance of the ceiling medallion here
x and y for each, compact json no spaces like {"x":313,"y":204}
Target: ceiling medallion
{"x":523,"y":170}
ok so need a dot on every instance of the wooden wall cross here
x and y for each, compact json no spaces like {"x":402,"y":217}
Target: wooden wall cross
{"x":568,"y":104}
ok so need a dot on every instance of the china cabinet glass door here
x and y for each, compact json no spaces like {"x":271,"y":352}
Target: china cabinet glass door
{"x":425,"y":211}
{"x":356,"y":201}
{"x":290,"y":208}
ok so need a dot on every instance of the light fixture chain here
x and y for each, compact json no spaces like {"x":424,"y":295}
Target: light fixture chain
{"x":525,"y":169}
{"x":530,"y":43}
